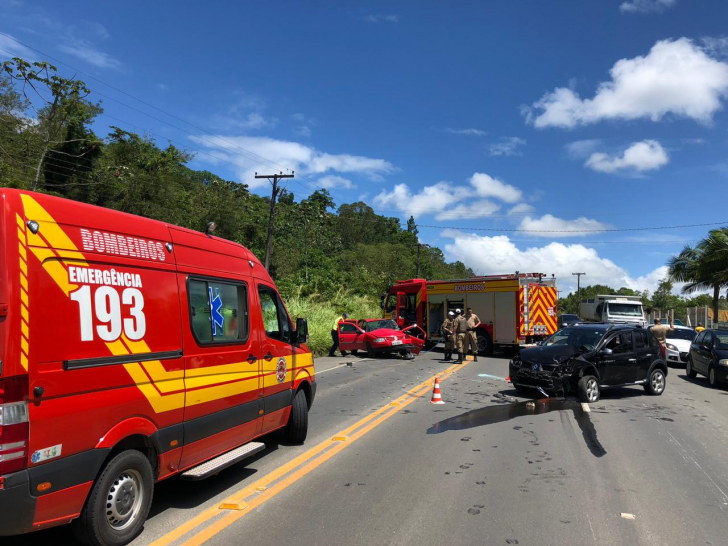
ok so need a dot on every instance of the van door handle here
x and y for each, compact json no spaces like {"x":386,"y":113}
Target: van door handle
{"x":252,"y":359}
{"x":268,"y":357}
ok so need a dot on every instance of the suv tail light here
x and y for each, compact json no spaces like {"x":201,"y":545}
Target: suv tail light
{"x":14,"y":429}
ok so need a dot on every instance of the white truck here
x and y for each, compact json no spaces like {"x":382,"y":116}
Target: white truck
{"x":613,"y":309}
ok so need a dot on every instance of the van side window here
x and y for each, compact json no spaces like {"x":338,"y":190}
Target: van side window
{"x":218,"y":311}
{"x":275,"y":318}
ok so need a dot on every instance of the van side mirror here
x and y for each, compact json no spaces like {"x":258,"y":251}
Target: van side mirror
{"x":301,"y":331}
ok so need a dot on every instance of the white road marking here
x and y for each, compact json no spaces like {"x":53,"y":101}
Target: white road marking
{"x":585,"y":407}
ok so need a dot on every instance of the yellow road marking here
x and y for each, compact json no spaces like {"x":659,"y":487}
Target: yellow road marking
{"x":263,"y":488}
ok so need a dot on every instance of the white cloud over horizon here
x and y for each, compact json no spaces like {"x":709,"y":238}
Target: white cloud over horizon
{"x":301,"y":158}
{"x":333,"y":182}
{"x":498,"y":254}
{"x":646,"y":6}
{"x":14,"y":49}
{"x":676,"y":78}
{"x":647,"y":155}
{"x":487,"y":186}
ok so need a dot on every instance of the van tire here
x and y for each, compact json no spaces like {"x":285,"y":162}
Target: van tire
{"x":297,"y":427}
{"x":129,"y":474}
{"x":485,"y":344}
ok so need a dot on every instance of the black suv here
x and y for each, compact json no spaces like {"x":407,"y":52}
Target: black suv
{"x":584,"y":358}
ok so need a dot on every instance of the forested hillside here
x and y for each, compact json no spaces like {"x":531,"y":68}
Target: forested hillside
{"x":321,"y":252}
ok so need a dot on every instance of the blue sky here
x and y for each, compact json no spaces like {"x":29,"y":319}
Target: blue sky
{"x":475,"y":117}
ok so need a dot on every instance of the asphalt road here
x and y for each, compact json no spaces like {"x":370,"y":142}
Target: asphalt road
{"x":382,"y":465}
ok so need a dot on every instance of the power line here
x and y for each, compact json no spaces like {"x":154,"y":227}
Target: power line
{"x":603,"y":230}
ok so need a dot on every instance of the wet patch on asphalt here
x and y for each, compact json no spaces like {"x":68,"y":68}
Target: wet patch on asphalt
{"x":498,"y":414}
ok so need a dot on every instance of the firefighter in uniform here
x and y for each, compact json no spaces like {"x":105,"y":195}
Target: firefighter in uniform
{"x":461,"y":329}
{"x":471,"y":338}
{"x":448,"y":330}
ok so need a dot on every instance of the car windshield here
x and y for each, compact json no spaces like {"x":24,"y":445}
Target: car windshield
{"x":377,"y":324}
{"x":576,"y":337}
{"x":682,"y":333}
{"x":625,"y":309}
{"x":721,"y":342}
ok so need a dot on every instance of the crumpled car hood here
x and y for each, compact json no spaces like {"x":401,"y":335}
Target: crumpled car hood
{"x":551,"y":355}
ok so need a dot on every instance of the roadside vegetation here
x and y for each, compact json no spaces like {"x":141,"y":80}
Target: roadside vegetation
{"x":327,"y":257}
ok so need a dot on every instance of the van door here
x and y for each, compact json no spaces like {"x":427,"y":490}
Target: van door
{"x":278,"y":358}
{"x":222,"y":370}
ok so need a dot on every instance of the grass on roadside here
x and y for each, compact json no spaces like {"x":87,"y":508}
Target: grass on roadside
{"x":321,"y":314}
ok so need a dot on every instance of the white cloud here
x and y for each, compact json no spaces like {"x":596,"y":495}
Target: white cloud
{"x":303,"y":131}
{"x":468,"y":211}
{"x":647,"y":155}
{"x":646,"y":6}
{"x":430,"y":200}
{"x":521,"y":208}
{"x":333,"y":182}
{"x":487,"y":186}
{"x":676,"y":77}
{"x":379,"y":18}
{"x":466,"y":132}
{"x":507,"y":146}
{"x":716,"y":46}
{"x":14,"y":49}
{"x":693,"y":141}
{"x":255,"y":120}
{"x":580,"y":149}
{"x":298,"y":117}
{"x":303,"y":159}
{"x":556,"y":228}
{"x":85,"y":51}
{"x":497,"y":255}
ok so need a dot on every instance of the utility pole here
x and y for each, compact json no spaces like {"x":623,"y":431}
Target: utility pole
{"x":578,"y":284}
{"x":419,"y":247}
{"x":272,"y":217}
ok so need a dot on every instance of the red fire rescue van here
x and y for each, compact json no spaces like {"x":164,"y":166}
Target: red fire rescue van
{"x":515,"y":310}
{"x":131,"y":351}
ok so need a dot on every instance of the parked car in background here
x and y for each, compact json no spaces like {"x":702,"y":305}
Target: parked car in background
{"x":567,"y":320}
{"x":585,"y":358}
{"x":380,"y":336}
{"x":709,"y":356}
{"x":678,"y":344}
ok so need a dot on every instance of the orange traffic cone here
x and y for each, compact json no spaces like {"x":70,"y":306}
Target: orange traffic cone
{"x":436,"y":395}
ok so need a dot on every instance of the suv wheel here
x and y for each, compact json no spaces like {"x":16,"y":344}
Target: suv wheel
{"x":689,"y":369}
{"x":588,"y":389}
{"x":656,"y":382}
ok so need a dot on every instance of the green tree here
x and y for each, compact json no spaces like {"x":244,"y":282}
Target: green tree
{"x":703,"y":267}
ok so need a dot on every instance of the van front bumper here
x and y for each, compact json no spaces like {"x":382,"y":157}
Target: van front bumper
{"x":16,"y":501}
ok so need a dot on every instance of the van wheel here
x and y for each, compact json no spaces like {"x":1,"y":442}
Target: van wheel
{"x":655,"y":383}
{"x":588,"y":389}
{"x":689,"y":369}
{"x":485,"y":344}
{"x":297,"y":427}
{"x":119,"y":502}
{"x":355,"y":351}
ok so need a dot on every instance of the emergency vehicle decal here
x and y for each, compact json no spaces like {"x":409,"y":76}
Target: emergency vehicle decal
{"x":165,"y":390}
{"x":541,"y":309}
{"x":24,"y":303}
{"x":281,"y":370}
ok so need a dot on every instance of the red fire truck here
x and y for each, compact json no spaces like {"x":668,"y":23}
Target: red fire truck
{"x":515,"y":310}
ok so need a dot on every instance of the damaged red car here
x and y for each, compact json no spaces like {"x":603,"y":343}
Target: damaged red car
{"x":380,"y":336}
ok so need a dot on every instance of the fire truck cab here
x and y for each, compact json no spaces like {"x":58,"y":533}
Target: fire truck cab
{"x":515,"y":310}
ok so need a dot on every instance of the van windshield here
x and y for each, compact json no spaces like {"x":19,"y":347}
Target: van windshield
{"x":625,"y":310}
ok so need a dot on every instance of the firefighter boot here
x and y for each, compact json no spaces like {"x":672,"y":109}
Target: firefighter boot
{"x":460,"y":358}
{"x":475,"y":356}
{"x":447,"y":355}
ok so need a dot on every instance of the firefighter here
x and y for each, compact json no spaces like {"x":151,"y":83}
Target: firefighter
{"x":448,"y":329}
{"x":461,"y":328}
{"x":471,"y":338}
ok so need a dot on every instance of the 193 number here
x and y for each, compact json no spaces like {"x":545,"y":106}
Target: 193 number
{"x":106,"y":306}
